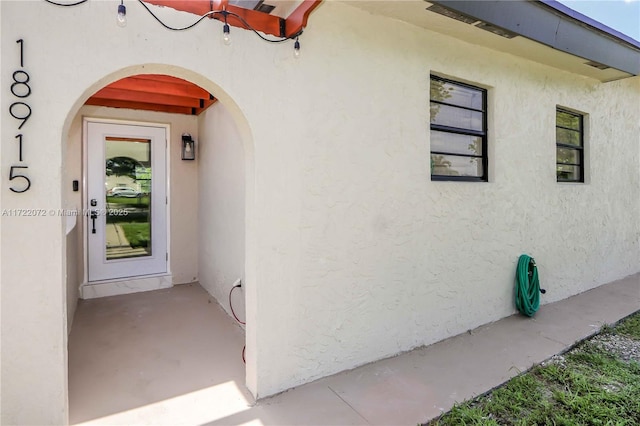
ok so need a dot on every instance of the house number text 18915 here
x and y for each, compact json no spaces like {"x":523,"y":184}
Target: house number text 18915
{"x":21,"y":111}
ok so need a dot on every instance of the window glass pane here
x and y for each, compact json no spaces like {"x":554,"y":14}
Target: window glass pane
{"x":457,"y":95}
{"x":565,"y":119}
{"x":128,"y":188}
{"x":571,"y":173}
{"x":454,"y":143}
{"x":568,"y":155}
{"x":452,"y":165}
{"x":569,"y":137}
{"x":456,"y":117}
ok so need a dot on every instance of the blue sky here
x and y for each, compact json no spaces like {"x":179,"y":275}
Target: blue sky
{"x":621,"y":15}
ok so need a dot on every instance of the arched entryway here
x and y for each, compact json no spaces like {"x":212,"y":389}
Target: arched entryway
{"x":207,"y":230}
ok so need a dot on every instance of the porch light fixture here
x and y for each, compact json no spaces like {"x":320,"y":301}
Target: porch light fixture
{"x":122,"y":14}
{"x":188,"y":147}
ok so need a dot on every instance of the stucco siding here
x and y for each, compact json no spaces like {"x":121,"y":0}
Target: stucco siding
{"x":352,"y":253}
{"x":391,"y":260}
{"x":221,"y":218}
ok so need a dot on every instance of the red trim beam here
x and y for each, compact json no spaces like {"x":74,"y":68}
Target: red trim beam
{"x":297,"y":21}
{"x":260,"y":21}
{"x":263,"y":22}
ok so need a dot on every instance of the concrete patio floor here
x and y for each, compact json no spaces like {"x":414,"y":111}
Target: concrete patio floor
{"x":174,"y":357}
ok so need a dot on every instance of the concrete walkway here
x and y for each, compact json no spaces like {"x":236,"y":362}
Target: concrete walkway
{"x":416,"y":386}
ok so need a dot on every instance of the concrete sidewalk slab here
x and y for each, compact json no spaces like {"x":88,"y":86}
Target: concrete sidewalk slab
{"x":205,"y":384}
{"x":307,"y":405}
{"x":419,"y":385}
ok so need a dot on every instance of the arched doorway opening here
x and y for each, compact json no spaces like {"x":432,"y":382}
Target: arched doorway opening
{"x":207,"y":231}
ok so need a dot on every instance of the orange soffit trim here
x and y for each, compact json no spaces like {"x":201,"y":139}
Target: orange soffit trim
{"x":297,"y":21}
{"x":145,"y":97}
{"x":219,"y":4}
{"x":160,"y":87}
{"x":260,"y":21}
{"x":198,"y":7}
{"x":113,"y":103}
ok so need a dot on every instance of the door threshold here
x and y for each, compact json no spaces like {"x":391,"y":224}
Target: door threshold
{"x":94,"y":290}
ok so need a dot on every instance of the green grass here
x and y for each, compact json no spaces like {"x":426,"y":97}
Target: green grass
{"x":139,"y":213}
{"x":630,"y":327}
{"x":588,"y":387}
{"x":137,"y":234}
{"x":134,"y":202}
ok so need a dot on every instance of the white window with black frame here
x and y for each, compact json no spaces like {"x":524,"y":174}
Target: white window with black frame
{"x":458,"y":131}
{"x":569,"y":146}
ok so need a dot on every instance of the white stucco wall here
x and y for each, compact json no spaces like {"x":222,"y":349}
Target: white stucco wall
{"x":72,"y":200}
{"x":352,"y":252}
{"x":221,"y":220}
{"x":34,"y":362}
{"x":389,"y":260}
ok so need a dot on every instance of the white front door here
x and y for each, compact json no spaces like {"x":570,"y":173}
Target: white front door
{"x":126,"y":208}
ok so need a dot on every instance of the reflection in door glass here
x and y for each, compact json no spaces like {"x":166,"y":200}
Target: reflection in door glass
{"x":128,"y":197}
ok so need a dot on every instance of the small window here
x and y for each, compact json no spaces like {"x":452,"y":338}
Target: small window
{"x":569,"y":146}
{"x":458,"y":131}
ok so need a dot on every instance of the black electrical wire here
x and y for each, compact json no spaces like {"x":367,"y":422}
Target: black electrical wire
{"x":173,"y":28}
{"x":231,"y":304}
{"x":216,"y":12}
{"x":236,"y":317}
{"x":66,"y":4}
{"x":249,"y":27}
{"x":213,"y":12}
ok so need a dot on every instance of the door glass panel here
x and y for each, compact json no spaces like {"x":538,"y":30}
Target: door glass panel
{"x":128,"y":197}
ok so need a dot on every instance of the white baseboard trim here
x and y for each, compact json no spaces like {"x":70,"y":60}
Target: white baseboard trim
{"x":98,"y":289}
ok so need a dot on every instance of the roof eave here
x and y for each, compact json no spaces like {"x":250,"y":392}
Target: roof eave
{"x":553,"y":24}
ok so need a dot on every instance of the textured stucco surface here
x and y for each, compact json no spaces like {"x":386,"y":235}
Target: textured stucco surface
{"x":388,"y":259}
{"x":221,"y":214}
{"x":351,"y":252}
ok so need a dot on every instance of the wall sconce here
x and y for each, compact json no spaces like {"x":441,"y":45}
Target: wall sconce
{"x":188,"y":147}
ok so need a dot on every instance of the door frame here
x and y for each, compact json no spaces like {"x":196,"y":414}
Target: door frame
{"x":136,"y":283}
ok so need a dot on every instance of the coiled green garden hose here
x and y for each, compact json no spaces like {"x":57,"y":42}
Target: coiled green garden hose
{"x":527,"y":286}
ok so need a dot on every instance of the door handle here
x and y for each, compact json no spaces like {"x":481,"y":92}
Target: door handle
{"x":94,"y":216}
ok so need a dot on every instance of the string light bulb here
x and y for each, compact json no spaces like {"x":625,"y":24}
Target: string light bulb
{"x":226,"y":36}
{"x":122,"y":14}
{"x":296,"y":48}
